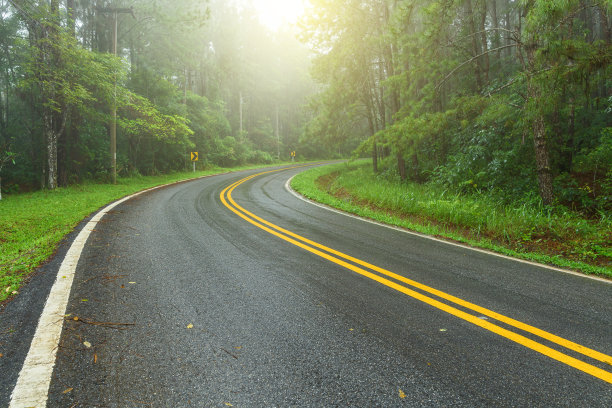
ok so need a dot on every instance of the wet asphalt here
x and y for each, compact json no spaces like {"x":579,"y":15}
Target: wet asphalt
{"x":185,"y":304}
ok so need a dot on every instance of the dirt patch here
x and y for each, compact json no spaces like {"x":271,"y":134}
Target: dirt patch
{"x":325,"y":182}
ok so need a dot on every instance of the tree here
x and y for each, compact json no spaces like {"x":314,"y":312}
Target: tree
{"x":456,"y":89}
{"x":6,"y":157}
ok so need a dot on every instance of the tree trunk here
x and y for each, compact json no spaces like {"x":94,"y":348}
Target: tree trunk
{"x":483,"y":41}
{"x":374,"y":147}
{"x":37,"y":36}
{"x":370,"y":111}
{"x":374,"y":155}
{"x":4,"y":104}
{"x":102,"y":43}
{"x":71,"y":24}
{"x":62,"y":158}
{"x":508,"y":27}
{"x":51,"y":118}
{"x":401,"y":166}
{"x":91,"y":17}
{"x":72,"y":135}
{"x":496,"y":35}
{"x":533,"y":103}
{"x":415,"y":167}
{"x":51,"y":138}
{"x":569,"y":152}
{"x":185,"y":87}
{"x":605,"y":26}
{"x":469,"y":15}
{"x":380,"y":100}
{"x":542,"y":160}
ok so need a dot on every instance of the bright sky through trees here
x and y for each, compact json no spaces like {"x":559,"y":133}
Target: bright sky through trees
{"x":273,"y":13}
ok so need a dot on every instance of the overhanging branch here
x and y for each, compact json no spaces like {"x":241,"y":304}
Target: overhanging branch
{"x":472,"y":60}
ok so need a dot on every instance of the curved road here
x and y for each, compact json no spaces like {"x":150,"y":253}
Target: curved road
{"x":182,"y":302}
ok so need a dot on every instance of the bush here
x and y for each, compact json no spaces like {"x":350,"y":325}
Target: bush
{"x":259,"y":157}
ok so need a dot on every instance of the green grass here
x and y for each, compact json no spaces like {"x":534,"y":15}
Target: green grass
{"x":555,"y":237}
{"x":32,"y":224}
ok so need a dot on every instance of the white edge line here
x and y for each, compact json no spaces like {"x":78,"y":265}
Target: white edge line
{"x":406,"y":231}
{"x":32,"y":387}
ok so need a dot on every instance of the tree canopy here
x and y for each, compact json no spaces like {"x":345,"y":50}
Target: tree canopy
{"x":508,"y":97}
{"x":188,"y":75}
{"x":512,"y":97}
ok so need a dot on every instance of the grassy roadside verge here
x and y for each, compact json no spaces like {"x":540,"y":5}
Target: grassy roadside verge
{"x":535,"y":234}
{"x":32,"y":224}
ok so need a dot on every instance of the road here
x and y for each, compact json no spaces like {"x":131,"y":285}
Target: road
{"x":214,"y":294}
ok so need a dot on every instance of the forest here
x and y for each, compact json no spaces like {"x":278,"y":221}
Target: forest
{"x":167,"y":77}
{"x":511,"y":98}
{"x":506,"y":97}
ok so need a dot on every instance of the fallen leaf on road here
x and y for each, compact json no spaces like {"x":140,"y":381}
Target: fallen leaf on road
{"x":14,"y":292}
{"x":190,"y":326}
{"x":238,"y":347}
{"x":442,"y":330}
{"x":84,"y":300}
{"x":76,"y":319}
{"x":228,"y":404}
{"x":1,"y":355}
{"x":67,"y":390}
{"x":131,"y":283}
{"x":401,"y":394}
{"x":87,"y":344}
{"x":95,"y":358}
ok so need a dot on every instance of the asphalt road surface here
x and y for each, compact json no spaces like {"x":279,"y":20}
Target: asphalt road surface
{"x":197,"y":295}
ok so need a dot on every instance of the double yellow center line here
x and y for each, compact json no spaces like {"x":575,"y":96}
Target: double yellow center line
{"x":404,"y":285}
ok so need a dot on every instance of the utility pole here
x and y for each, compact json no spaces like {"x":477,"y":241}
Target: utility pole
{"x":240,"y":108}
{"x":277,"y":136}
{"x":113,"y":125}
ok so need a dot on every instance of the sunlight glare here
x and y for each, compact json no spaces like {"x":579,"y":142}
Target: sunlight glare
{"x":274,"y":13}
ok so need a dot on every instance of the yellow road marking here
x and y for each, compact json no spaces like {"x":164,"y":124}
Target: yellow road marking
{"x":554,"y":354}
{"x":520,"y":325}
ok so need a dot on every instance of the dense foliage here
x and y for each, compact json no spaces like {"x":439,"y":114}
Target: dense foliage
{"x":508,"y":97}
{"x":189,"y":75}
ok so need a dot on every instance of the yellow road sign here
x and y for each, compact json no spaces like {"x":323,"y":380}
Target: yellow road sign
{"x":194,"y":156}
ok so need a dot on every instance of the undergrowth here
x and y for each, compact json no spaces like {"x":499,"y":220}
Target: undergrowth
{"x":527,"y":230}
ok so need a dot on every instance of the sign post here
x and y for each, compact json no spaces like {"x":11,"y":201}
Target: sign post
{"x":293,"y":155}
{"x":194,"y":159}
